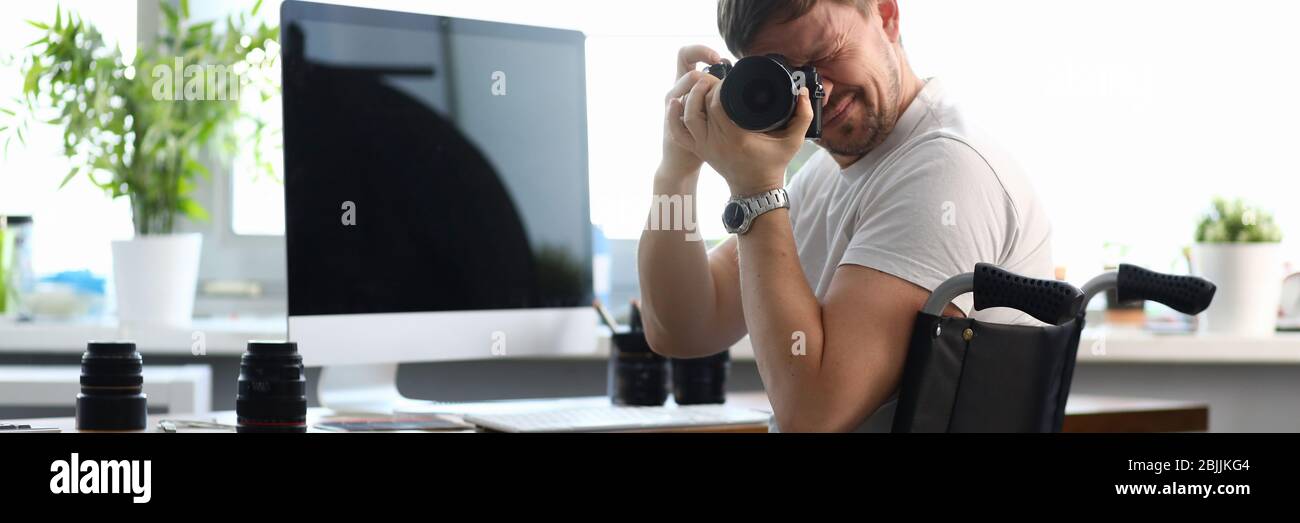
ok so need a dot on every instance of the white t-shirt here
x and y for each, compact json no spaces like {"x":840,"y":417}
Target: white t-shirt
{"x":931,"y":201}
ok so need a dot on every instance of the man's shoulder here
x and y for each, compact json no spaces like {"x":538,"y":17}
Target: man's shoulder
{"x":947,"y":132}
{"x":948,"y":149}
{"x":938,"y":162}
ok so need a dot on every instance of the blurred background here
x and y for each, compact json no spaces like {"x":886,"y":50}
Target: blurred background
{"x":1129,"y":120}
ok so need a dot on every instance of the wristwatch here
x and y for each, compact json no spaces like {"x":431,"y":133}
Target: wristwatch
{"x":740,"y":213}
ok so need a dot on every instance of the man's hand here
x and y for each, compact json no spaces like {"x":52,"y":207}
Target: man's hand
{"x":678,"y":161}
{"x":752,"y":163}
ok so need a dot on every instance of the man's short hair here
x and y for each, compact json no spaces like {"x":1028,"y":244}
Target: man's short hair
{"x":739,"y":21}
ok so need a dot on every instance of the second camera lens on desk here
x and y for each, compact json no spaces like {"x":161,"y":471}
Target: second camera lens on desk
{"x":637,"y":375}
{"x":698,"y":381}
{"x":272,"y":394}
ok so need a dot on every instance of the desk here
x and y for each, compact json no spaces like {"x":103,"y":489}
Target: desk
{"x":1110,"y":345}
{"x":1086,"y":413}
{"x":1248,"y":383}
{"x":1082,"y":414}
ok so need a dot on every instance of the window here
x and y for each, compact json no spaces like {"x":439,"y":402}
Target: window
{"x":71,"y":226}
{"x":257,"y":196}
{"x":1128,"y":121}
{"x":631,"y":53}
{"x":1128,"y":124}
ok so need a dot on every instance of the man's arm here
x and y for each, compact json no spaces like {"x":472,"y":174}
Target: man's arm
{"x":854,"y":341}
{"x":691,"y":297}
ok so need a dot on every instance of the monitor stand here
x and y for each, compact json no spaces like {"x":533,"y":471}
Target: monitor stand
{"x":372,"y":389}
{"x":361,"y":389}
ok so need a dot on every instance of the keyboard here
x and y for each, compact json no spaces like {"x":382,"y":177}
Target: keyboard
{"x":10,"y":428}
{"x":616,"y":418}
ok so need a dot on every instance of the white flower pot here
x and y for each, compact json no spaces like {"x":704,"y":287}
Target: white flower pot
{"x":1249,"y":281}
{"x":156,"y":277}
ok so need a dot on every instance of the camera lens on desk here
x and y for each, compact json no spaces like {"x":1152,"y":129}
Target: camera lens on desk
{"x":637,"y":375}
{"x":112,"y":388}
{"x":272,"y":395}
{"x":698,"y":381}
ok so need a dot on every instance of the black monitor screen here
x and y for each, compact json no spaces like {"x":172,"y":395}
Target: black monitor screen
{"x":432,"y":163}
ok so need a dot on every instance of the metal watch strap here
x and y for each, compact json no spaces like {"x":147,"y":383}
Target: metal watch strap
{"x":761,"y":204}
{"x":768,"y":201}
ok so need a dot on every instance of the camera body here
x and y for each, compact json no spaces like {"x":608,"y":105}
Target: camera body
{"x":759,"y":93}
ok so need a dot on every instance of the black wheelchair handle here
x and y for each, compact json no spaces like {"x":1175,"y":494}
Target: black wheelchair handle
{"x":1049,"y":301}
{"x":1185,"y":294}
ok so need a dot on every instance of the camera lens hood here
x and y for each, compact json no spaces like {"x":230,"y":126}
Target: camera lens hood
{"x":759,"y":93}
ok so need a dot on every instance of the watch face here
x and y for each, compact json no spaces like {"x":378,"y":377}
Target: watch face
{"x":733,"y":216}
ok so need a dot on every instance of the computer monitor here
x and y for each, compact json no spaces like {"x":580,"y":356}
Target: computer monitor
{"x":436,"y":187}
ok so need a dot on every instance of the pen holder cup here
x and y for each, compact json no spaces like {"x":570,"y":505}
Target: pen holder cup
{"x":637,"y":375}
{"x":698,"y":381}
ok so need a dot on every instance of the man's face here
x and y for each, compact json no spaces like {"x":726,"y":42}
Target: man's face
{"x":859,"y":66}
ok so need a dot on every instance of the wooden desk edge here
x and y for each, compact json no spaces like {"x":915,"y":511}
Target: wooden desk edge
{"x":1139,"y":415}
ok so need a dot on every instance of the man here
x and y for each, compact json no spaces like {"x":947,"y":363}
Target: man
{"x":904,"y":194}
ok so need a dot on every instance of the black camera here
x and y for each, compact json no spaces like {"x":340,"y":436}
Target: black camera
{"x":759,"y":93}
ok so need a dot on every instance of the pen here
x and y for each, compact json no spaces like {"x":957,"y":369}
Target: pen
{"x":605,"y":316}
{"x":634,"y":318}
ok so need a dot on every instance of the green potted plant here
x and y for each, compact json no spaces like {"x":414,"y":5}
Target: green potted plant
{"x":1237,"y":248}
{"x":137,"y":127}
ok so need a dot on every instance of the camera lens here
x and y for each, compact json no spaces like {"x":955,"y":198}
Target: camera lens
{"x":698,"y":381}
{"x":637,"y":375}
{"x":759,"y":94}
{"x":272,"y":394}
{"x":112,"y":395}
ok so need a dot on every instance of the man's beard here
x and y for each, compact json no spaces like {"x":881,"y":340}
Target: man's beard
{"x":859,"y":138}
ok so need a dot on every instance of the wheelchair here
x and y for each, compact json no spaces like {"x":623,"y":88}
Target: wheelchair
{"x":965,"y":375}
